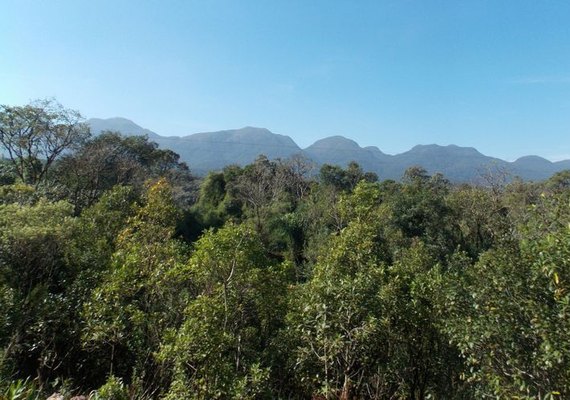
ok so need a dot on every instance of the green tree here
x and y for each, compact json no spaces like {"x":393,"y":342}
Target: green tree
{"x":560,"y":181}
{"x":481,"y":221}
{"x":345,"y":179}
{"x":335,"y":317}
{"x":143,"y":294}
{"x":49,"y":264}
{"x":34,"y":277}
{"x":111,"y":159}
{"x":35,"y":135}
{"x":222,"y":348}
{"x":508,"y":314}
{"x":364,"y":325}
{"x":216,"y":201}
{"x":420,"y":210}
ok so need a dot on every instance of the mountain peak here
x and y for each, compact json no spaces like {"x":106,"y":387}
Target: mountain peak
{"x":532,"y":158}
{"x":438,"y":149}
{"x":119,"y":124}
{"x":253,"y":129}
{"x":334,"y":142}
{"x":248,"y":135}
{"x":114,"y":121}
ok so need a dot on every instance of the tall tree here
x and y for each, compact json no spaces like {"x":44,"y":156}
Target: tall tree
{"x":221,"y":349}
{"x":34,"y":278}
{"x":34,"y":136}
{"x":143,"y":293}
{"x":111,"y":159}
{"x":509,"y":313}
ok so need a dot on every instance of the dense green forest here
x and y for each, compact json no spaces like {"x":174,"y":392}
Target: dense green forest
{"x":123,"y":276}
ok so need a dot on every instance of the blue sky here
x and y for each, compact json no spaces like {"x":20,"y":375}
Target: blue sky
{"x":494,"y":75}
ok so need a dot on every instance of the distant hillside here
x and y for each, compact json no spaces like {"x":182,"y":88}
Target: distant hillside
{"x":123,"y":125}
{"x":213,"y":150}
{"x":458,"y":164}
{"x":340,"y":151}
{"x":208,"y":151}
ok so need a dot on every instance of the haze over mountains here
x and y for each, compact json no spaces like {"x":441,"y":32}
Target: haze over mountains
{"x":208,"y":151}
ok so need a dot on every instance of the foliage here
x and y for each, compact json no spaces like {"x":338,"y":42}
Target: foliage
{"x":344,"y":179}
{"x":274,"y":283}
{"x":35,"y":135}
{"x":20,"y":390}
{"x":364,"y":325}
{"x":509,"y":314}
{"x":111,"y":159}
{"x":221,"y":348}
{"x":33,"y":275}
{"x":144,"y":291}
{"x":113,"y":389}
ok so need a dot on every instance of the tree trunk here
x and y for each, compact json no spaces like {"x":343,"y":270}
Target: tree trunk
{"x":346,"y":388}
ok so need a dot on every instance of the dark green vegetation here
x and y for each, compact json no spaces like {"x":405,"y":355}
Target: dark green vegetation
{"x":123,"y":276}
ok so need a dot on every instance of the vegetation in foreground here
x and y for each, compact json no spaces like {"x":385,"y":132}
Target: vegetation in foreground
{"x":122,"y":276}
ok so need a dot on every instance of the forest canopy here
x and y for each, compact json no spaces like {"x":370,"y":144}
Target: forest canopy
{"x":123,"y":276}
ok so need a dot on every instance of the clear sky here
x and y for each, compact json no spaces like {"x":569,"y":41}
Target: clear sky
{"x":493,"y":74}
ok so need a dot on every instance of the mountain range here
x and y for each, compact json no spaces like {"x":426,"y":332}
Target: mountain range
{"x":209,"y":151}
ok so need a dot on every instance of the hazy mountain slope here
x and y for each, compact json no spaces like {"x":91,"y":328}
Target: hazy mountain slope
{"x":210,"y":150}
{"x":213,"y":150}
{"x":564,"y":164}
{"x":339,"y":150}
{"x":123,"y":125}
{"x":458,"y":164}
{"x":534,"y":167}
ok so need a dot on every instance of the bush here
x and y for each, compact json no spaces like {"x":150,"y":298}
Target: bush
{"x":113,"y":389}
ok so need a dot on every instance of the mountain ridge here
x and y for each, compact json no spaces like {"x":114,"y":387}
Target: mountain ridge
{"x":206,"y":151}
